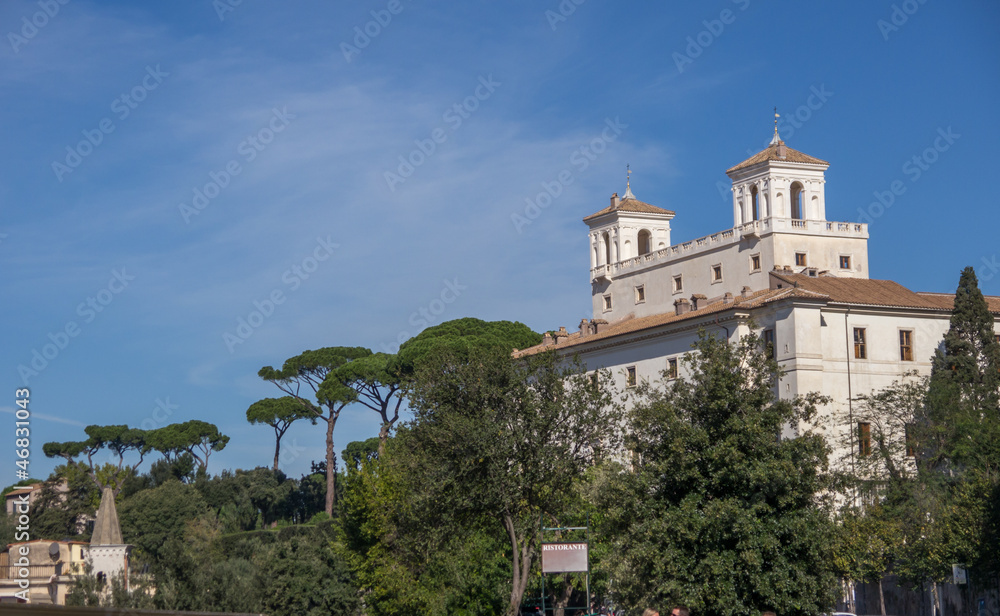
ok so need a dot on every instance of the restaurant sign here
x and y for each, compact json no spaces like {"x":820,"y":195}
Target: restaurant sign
{"x":564,"y":557}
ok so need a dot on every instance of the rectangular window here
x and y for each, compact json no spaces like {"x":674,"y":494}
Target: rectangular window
{"x":717,"y":273}
{"x":800,"y":259}
{"x":630,"y":379}
{"x":754,"y":263}
{"x":767,"y":337}
{"x":864,"y":438}
{"x":905,"y":345}
{"x":607,"y":302}
{"x":860,"y":348}
{"x":640,"y":294}
{"x":845,"y":262}
{"x":671,"y":368}
{"x":678,"y":284}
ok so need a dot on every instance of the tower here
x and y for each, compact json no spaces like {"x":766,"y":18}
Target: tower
{"x":778,"y":182}
{"x":108,"y":551}
{"x":627,"y":228}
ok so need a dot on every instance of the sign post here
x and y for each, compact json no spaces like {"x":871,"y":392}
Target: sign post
{"x":566,"y":557}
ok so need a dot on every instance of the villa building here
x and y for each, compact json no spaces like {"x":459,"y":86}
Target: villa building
{"x":802,"y":281}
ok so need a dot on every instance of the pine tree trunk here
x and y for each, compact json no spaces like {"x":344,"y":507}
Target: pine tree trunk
{"x":881,"y":597}
{"x":331,"y":468}
{"x":277,"y":449}
{"x":520,"y":566}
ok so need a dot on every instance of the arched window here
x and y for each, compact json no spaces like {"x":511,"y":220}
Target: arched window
{"x":798,"y":204}
{"x":607,"y":247}
{"x":754,"y":204}
{"x":645,"y":242}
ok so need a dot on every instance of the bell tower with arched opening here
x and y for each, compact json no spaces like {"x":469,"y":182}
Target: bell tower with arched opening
{"x":778,"y":183}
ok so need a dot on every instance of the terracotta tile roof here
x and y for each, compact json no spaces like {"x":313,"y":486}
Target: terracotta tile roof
{"x":630,"y":324}
{"x":771,"y":153}
{"x":869,"y":292}
{"x":946,"y":301}
{"x":631,"y":204}
{"x":858,"y":291}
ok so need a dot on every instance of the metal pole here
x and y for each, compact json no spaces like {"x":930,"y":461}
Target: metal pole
{"x":588,"y":562}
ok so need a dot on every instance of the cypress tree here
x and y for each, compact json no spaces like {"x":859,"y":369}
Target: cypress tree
{"x":962,"y":413}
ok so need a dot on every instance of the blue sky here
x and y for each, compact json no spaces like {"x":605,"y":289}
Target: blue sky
{"x":171,"y":164}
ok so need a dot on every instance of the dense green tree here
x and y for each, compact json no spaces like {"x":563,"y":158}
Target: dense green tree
{"x":66,"y":500}
{"x":302,"y":377}
{"x":957,"y":447}
{"x":118,"y":440}
{"x":280,"y":414}
{"x":303,"y":576}
{"x":194,"y":437}
{"x":357,"y":452}
{"x":459,"y":337}
{"x":407,"y":562}
{"x":720,"y":512}
{"x":377,"y":382}
{"x":504,"y":438}
{"x":154,"y":520}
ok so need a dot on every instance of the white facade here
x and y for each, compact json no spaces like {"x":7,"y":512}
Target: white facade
{"x":782,"y":267}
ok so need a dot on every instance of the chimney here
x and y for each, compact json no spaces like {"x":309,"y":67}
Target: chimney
{"x":614,"y":200}
{"x":584,"y":328}
{"x":561,"y":335}
{"x":698,"y":301}
{"x":598,"y":325}
{"x":727,"y":298}
{"x":682,"y":306}
{"x":782,"y":151}
{"x":547,"y":339}
{"x":745,"y":293}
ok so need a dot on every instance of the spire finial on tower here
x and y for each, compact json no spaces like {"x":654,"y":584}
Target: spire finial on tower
{"x":776,"y":138}
{"x":628,"y":182}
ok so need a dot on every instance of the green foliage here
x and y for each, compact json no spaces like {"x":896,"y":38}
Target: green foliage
{"x":305,"y":376}
{"x":960,"y":426}
{"x":153,"y":520}
{"x":406,"y":563}
{"x":280,"y":414}
{"x":195,"y":437}
{"x":503,"y":439}
{"x":357,"y":452}
{"x":56,"y":514}
{"x":461,"y":337}
{"x":303,"y":576}
{"x":249,"y":500}
{"x":721,"y":513}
